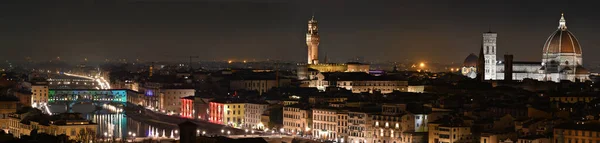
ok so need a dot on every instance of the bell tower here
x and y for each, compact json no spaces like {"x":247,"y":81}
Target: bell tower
{"x":312,"y":41}
{"x":489,"y":52}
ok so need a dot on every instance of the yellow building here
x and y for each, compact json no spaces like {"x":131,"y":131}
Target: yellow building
{"x":228,"y":113}
{"x":577,"y":133}
{"x":297,"y":119}
{"x":69,"y":124}
{"x":40,"y":94}
{"x":8,"y":105}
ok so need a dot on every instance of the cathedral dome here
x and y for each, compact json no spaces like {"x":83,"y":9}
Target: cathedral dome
{"x":562,"y":41}
{"x":471,"y":61}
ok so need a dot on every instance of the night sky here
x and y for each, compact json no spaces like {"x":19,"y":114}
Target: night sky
{"x":397,"y":30}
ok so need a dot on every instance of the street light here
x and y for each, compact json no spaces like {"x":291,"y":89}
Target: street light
{"x":228,"y":132}
{"x":222,"y":131}
{"x":203,"y":132}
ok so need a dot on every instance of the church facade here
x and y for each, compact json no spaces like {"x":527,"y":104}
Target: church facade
{"x":561,"y":60}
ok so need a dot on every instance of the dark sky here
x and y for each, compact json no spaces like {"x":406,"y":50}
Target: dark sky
{"x":397,"y":30}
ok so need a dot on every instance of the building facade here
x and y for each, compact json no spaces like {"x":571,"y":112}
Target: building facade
{"x":577,"y":133}
{"x":359,"y":127}
{"x":359,"y":82}
{"x":39,"y":95}
{"x":62,"y":125}
{"x":449,"y":133}
{"x":169,"y":99}
{"x":325,"y":124}
{"x":7,"y":107}
{"x":227,"y":113}
{"x":187,"y":107}
{"x":252,"y":115}
{"x":297,"y":119}
{"x":260,"y":85}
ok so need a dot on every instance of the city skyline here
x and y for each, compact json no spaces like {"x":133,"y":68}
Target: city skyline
{"x":378,"y":31}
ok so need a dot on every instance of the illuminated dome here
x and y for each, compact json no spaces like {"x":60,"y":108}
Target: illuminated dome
{"x":471,"y":61}
{"x":562,"y":41}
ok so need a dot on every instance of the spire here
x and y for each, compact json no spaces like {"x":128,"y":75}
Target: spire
{"x":562,"y":23}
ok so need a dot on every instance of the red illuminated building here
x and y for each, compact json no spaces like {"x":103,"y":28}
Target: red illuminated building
{"x":216,"y":113}
{"x":187,"y":107}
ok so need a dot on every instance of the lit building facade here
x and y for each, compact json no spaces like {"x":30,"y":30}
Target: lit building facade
{"x":253,"y":114}
{"x":227,"y":113}
{"x":187,"y":107}
{"x":7,"y":106}
{"x":69,"y":127}
{"x":449,"y":133}
{"x":39,"y":94}
{"x":170,"y":99}
{"x":489,"y":51}
{"x":395,"y":124}
{"x":358,"y":82}
{"x":359,"y":127}
{"x":297,"y":119}
{"x":325,"y":124}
